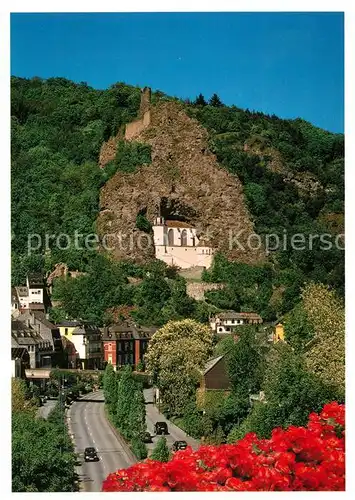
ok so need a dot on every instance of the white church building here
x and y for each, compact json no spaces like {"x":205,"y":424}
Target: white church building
{"x":176,"y":244}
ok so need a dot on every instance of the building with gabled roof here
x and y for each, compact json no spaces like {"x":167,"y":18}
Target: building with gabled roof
{"x":215,"y":375}
{"x":32,"y":296}
{"x":125,"y":343}
{"x":87,"y":341}
{"x":228,"y":321}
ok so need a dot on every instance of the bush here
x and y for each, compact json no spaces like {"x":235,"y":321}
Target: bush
{"x":139,"y":449}
{"x":161,"y":451}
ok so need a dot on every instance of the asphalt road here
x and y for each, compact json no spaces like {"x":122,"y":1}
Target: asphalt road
{"x":88,"y":425}
{"x":175,"y":433}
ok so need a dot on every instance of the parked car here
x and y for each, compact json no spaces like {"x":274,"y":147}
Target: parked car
{"x":179,"y":445}
{"x":147,"y":438}
{"x":161,"y":428}
{"x":90,"y":455}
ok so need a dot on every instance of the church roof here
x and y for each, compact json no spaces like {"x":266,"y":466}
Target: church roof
{"x":177,"y":223}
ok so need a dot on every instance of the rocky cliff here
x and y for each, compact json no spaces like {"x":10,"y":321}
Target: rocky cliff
{"x":183,"y":181}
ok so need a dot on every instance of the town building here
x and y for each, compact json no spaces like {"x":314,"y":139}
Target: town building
{"x":30,"y":297}
{"x":229,"y":321}
{"x":176,"y":243}
{"x":215,"y":375}
{"x":125,"y":343}
{"x":86,"y":339}
{"x":15,"y":303}
{"x":279,"y":333}
{"x":40,"y":350}
{"x":67,"y":327}
{"x":214,"y":384}
{"x":20,"y":360}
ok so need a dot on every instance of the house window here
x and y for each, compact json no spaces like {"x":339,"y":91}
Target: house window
{"x":228,"y":329}
{"x":65,"y":331}
{"x":233,"y":320}
{"x":109,"y":346}
{"x":220,"y":329}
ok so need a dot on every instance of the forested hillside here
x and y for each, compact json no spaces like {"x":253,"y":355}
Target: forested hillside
{"x":292,"y":174}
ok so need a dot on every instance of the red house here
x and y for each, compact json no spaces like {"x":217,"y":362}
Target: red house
{"x":125,"y":343}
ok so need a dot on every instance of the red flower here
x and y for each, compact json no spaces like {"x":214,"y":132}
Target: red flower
{"x":295,"y":459}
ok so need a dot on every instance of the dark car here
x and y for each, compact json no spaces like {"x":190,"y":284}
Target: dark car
{"x":161,"y":428}
{"x":147,"y":438}
{"x":90,"y":455}
{"x":179,"y":445}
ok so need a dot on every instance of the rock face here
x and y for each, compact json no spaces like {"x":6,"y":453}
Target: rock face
{"x":184,"y":181}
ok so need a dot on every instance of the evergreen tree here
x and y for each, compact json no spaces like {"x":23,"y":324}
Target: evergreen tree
{"x":161,"y":451}
{"x":110,"y":386}
{"x":215,"y":101}
{"x":125,"y":391}
{"x":139,"y":449}
{"x":137,"y":414}
{"x":200,"y":101}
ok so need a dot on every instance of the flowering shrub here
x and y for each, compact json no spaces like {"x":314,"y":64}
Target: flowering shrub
{"x":308,"y":458}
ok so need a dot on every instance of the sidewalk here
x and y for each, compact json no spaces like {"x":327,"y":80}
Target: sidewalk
{"x":175,"y":433}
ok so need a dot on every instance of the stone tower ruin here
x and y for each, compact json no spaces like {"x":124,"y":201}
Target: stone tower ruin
{"x":146,"y":94}
{"x":135,"y":128}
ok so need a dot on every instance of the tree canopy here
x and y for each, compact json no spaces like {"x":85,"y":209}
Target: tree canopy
{"x":176,"y":354}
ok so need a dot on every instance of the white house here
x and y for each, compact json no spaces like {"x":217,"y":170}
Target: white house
{"x":177,"y":244}
{"x":229,"y":321}
{"x":30,"y":296}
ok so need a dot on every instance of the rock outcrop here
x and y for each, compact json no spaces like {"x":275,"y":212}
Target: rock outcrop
{"x":184,"y":180}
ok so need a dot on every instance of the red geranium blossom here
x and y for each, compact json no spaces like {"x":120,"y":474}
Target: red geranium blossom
{"x":308,"y":458}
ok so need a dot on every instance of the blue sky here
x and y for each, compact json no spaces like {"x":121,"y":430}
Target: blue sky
{"x":289,"y":64}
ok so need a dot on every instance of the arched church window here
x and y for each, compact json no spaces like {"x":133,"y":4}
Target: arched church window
{"x":184,"y":238}
{"x":171,"y":237}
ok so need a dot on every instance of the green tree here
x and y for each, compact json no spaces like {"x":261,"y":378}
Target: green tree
{"x":110,"y":386}
{"x":215,"y":101}
{"x":21,"y":398}
{"x":161,"y":451}
{"x":326,"y":354}
{"x":200,"y":101}
{"x":246,"y":362}
{"x":129,"y":416}
{"x":139,"y":448}
{"x":299,"y":330}
{"x":42,"y":456}
{"x":291,"y":393}
{"x":176,"y":354}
